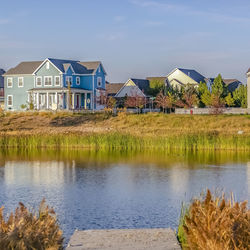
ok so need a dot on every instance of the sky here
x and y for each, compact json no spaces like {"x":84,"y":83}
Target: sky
{"x":132,"y":38}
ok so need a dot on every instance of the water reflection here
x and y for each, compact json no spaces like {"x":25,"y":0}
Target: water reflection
{"x":94,"y":190}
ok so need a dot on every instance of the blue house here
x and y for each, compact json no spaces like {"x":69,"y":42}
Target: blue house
{"x":1,"y":88}
{"x":54,"y":84}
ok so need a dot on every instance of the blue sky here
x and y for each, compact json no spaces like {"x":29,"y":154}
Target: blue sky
{"x":133,"y":38}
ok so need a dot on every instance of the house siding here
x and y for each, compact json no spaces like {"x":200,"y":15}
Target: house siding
{"x":20,"y":95}
{"x":248,"y":90}
{"x":130,"y":89}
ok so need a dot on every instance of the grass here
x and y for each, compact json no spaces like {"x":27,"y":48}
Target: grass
{"x":215,"y":223}
{"x":125,"y":131}
{"x":26,"y":230}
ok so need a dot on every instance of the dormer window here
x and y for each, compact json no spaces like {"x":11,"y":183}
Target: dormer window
{"x":78,"y":81}
{"x":47,"y":65}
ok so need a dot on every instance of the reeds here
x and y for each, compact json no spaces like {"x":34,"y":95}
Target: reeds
{"x":25,"y":230}
{"x":216,"y":223}
{"x":115,"y":140}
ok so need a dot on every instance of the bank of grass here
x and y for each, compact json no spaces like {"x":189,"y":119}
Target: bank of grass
{"x":103,"y":131}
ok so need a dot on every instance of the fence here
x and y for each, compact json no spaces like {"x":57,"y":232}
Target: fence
{"x":205,"y":111}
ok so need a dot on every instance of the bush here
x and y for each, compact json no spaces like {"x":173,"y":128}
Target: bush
{"x":217,"y":223}
{"x":25,"y":230}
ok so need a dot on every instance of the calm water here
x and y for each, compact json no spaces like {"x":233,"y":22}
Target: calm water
{"x":100,"y":190}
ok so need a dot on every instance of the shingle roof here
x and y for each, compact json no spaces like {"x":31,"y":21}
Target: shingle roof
{"x":142,"y":84}
{"x":1,"y":78}
{"x":113,"y":88}
{"x":62,"y":65}
{"x":24,"y":68}
{"x":193,"y":74}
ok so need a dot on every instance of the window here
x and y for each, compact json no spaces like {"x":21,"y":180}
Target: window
{"x":9,"y":82}
{"x":20,"y":82}
{"x":99,"y":82}
{"x":57,"y":80}
{"x":68,"y":80}
{"x":78,"y":81}
{"x":48,"y":81}
{"x":10,"y":100}
{"x":47,"y":65}
{"x":39,"y":81}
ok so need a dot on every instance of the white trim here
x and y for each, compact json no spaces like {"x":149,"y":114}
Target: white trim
{"x":47,"y":65}
{"x":19,"y":78}
{"x":8,"y":100}
{"x":39,"y":77}
{"x":78,"y":77}
{"x":59,"y":82}
{"x":9,"y":78}
{"x":43,"y":64}
{"x":46,"y":85}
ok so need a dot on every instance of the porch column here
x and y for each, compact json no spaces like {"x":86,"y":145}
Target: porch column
{"x":56,"y":100}
{"x":85,"y":100}
{"x":47,"y":100}
{"x":37,"y":101}
{"x":73,"y":100}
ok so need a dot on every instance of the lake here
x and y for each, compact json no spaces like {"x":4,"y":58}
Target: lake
{"x":105,"y":190}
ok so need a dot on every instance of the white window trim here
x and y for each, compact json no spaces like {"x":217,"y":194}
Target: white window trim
{"x":58,"y":81}
{"x":47,"y":65}
{"x":69,"y":77}
{"x":99,"y":78}
{"x":79,"y":80}
{"x":45,"y":81}
{"x":39,"y":77}
{"x":20,"y":86}
{"x":8,"y":100}
{"x":9,"y":78}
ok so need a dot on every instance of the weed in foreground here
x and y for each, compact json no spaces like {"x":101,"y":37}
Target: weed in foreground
{"x":25,"y":230}
{"x":216,"y":223}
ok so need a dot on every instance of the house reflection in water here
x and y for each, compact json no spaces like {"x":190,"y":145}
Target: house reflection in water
{"x":51,"y":173}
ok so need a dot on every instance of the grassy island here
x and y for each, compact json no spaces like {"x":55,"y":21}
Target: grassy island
{"x":124,"y":131}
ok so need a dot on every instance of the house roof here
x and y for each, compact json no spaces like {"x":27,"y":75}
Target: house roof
{"x":1,"y":78}
{"x":24,"y":68}
{"x":193,"y":74}
{"x":113,"y":88}
{"x":142,"y":84}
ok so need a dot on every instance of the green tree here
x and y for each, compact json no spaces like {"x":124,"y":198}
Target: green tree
{"x":219,"y":88}
{"x":156,"y":86}
{"x":204,"y":95}
{"x":240,"y":96}
{"x":229,"y":100}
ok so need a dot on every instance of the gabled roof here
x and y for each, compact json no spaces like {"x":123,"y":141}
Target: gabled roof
{"x":113,"y":88}
{"x":81,"y":68}
{"x":193,"y":74}
{"x":142,"y":84}
{"x":24,"y":68}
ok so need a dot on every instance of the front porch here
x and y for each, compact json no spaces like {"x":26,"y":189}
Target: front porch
{"x":61,"y":99}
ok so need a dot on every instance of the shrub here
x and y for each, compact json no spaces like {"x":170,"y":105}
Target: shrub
{"x":217,"y":223}
{"x":25,"y":230}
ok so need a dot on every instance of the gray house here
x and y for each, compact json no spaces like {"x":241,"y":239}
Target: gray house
{"x":54,"y":84}
{"x":1,"y":88}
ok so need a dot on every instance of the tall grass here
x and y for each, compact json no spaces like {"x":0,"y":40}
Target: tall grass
{"x":24,"y":230}
{"x":215,"y":223}
{"x":208,"y":141}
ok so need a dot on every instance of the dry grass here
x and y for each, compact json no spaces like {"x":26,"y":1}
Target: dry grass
{"x":218,"y":132}
{"x":25,"y":230}
{"x":217,"y":223}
